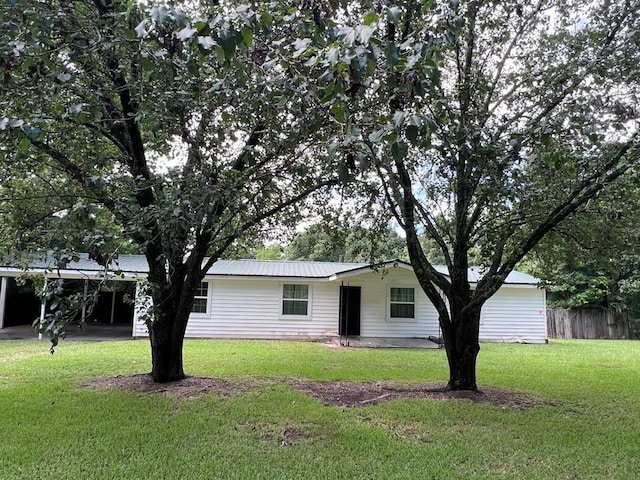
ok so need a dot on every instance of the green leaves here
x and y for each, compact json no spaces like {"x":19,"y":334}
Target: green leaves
{"x":339,"y":111}
{"x":412,"y":133}
{"x":159,"y":14}
{"x":300,"y":46}
{"x":186,"y":33}
{"x":399,"y":150}
{"x":371,"y":18}
{"x":141,"y":29}
{"x":63,"y":77}
{"x":247,"y":36}
{"x":32,"y":133}
{"x":592,"y":261}
{"x":10,"y":123}
{"x":365,"y":33}
{"x":493,"y":138}
{"x":346,"y":242}
{"x":206,"y":42}
{"x":394,"y":15}
{"x":229,"y":39}
{"x":266,"y":19}
{"x":333,"y":55}
{"x":392,"y":52}
{"x":398,"y":118}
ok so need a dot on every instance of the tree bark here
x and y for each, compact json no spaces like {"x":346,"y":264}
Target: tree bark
{"x":460,"y":337}
{"x":166,"y":346}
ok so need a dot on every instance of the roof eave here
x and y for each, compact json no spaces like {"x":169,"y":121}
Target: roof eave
{"x":72,"y":274}
{"x":231,"y":276}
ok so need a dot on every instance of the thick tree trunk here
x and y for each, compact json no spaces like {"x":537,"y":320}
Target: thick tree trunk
{"x":462,"y":347}
{"x":167,"y":338}
{"x":172,"y":296}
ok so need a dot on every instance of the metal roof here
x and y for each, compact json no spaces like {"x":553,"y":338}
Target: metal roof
{"x":476,"y":273}
{"x":133,"y":264}
{"x":281,"y":268}
{"x":136,"y":265}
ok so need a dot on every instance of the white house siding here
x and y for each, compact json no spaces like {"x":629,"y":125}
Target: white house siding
{"x":514,"y":314}
{"x":139,"y":328}
{"x":374,"y":315}
{"x":251,"y":308}
{"x":239,"y":308}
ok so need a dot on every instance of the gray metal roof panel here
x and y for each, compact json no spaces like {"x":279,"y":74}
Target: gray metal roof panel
{"x":125,"y":263}
{"x":522,"y":278}
{"x":476,"y":273}
{"x":280,"y":268}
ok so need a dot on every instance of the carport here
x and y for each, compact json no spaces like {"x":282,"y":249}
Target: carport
{"x":20,"y":304}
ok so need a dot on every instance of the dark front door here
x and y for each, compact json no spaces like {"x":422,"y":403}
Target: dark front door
{"x":349,"y":311}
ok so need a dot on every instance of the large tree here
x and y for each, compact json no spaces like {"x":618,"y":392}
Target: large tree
{"x":489,"y":123}
{"x":524,"y":133}
{"x":190,"y":127}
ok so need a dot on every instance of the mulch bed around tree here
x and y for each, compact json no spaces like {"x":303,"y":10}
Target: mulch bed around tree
{"x":337,"y":393}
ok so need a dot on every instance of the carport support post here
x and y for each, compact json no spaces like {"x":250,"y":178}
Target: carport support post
{"x":3,"y":299}
{"x":84,"y":300}
{"x":113,"y":303}
{"x":43,"y":310}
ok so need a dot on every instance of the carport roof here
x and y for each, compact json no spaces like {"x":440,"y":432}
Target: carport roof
{"x":128,"y":264}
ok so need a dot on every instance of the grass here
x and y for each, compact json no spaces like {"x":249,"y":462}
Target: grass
{"x":52,"y":427}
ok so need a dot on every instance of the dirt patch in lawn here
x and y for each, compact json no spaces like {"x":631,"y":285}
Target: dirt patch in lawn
{"x":343,"y":394}
{"x":190,"y":387}
{"x":348,"y":394}
{"x":286,"y":437}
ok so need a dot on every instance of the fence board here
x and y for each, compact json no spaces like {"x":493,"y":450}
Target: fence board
{"x":593,"y":324}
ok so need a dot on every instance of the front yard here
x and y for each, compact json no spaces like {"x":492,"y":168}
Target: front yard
{"x":253,"y":415}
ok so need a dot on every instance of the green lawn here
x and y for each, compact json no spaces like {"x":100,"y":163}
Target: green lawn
{"x":52,"y":427}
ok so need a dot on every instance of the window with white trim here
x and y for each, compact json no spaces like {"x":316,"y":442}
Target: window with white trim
{"x":402,"y":302}
{"x":201,"y":298}
{"x":295,"y":299}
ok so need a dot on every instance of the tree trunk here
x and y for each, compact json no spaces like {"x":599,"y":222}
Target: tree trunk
{"x":461,"y":344}
{"x":167,"y":338}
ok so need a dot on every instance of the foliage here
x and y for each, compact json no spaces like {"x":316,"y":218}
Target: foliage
{"x":589,"y":430}
{"x":322,"y":242}
{"x":272,"y":252}
{"x":40,"y":211}
{"x":592,"y":260}
{"x":188,"y":128}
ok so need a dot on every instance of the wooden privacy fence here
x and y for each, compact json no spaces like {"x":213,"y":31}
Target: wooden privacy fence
{"x":562,"y":323}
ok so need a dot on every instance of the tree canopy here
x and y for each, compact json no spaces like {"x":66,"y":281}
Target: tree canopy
{"x":322,"y":242}
{"x":189,"y":127}
{"x":489,"y":124}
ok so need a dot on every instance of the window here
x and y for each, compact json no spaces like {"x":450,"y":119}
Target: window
{"x":200,"y":299}
{"x":295,"y":299}
{"x":402,"y":303}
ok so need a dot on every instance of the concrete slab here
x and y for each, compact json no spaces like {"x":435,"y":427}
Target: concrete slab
{"x":93,"y":332}
{"x":379,"y":342}
{"x":97,"y":332}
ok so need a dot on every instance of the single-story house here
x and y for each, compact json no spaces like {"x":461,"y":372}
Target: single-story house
{"x":276,"y":299}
